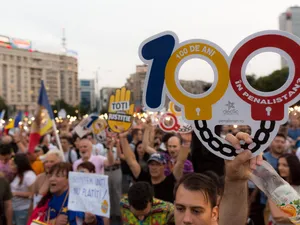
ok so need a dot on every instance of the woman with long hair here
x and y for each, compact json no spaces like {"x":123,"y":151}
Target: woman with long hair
{"x":141,"y":155}
{"x":21,"y":188}
{"x":289,"y":170}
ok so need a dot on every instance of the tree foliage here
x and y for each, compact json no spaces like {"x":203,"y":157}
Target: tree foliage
{"x":271,"y":82}
{"x":61,"y":104}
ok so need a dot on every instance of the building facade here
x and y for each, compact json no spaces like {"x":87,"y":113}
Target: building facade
{"x":290,"y":21}
{"x":136,"y":81}
{"x":87,"y":93}
{"x":21,"y":72}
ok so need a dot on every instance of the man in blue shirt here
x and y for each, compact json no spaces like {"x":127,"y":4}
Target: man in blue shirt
{"x":294,"y":130}
{"x":277,"y":149}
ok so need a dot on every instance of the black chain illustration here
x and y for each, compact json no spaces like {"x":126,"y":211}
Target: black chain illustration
{"x":228,"y":150}
{"x":185,"y":129}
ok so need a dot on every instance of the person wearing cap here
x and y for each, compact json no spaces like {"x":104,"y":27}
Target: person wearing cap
{"x":163,"y":185}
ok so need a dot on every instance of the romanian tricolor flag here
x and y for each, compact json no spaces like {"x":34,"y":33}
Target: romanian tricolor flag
{"x":47,"y":113}
{"x":46,"y":123}
{"x":10,"y":125}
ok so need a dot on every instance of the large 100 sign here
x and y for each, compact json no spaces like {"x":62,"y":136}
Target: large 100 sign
{"x":231,"y":99}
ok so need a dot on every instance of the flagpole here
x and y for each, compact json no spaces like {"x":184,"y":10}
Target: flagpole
{"x":43,"y":101}
{"x":57,"y":139}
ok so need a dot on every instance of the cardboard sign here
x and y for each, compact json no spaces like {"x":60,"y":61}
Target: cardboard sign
{"x":120,"y":111}
{"x":99,"y":130}
{"x":85,"y":125}
{"x":231,"y":100}
{"x":172,"y":121}
{"x":89,"y":193}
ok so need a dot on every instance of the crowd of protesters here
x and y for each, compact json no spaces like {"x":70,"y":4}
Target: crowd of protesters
{"x":154,"y":177}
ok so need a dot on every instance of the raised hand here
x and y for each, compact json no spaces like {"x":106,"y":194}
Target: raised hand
{"x":241,"y":167}
{"x":120,"y":112}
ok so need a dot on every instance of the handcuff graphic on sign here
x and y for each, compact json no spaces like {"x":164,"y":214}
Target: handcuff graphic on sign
{"x":172,"y":121}
{"x":230,"y":100}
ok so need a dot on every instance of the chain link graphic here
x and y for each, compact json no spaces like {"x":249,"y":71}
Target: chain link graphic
{"x":261,"y":137}
{"x":185,"y":129}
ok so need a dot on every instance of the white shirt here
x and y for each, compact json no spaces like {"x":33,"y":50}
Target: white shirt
{"x":72,"y":154}
{"x":20,"y":203}
{"x":97,"y":149}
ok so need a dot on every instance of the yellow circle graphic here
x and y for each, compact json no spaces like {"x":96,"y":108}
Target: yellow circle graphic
{"x":197,"y":108}
{"x":104,"y":206}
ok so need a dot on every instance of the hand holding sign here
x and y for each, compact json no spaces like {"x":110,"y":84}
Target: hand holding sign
{"x":120,"y":111}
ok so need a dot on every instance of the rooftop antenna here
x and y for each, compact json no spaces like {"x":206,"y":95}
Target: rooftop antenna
{"x":64,"y":41}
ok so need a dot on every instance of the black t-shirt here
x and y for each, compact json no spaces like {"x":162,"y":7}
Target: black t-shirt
{"x":5,"y":195}
{"x":203,"y":160}
{"x":163,"y":190}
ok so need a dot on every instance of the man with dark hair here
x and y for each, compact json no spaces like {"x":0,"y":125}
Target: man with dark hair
{"x":140,"y":207}
{"x":6,"y":153}
{"x":69,"y":153}
{"x":198,"y":194}
{"x":277,"y":148}
{"x":137,"y":135}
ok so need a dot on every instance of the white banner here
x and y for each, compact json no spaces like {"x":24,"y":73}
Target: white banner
{"x":89,"y":193}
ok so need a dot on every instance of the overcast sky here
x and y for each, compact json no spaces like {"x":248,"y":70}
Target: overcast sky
{"x":107,"y":33}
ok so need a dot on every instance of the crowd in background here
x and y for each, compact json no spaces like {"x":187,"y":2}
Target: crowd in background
{"x":144,"y":163}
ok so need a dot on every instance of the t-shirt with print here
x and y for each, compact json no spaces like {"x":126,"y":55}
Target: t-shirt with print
{"x":20,"y":203}
{"x":5,"y":195}
{"x":97,"y":160}
{"x":163,"y":190}
{"x":161,"y":212}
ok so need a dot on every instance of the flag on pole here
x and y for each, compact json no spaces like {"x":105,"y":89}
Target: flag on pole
{"x":10,"y":125}
{"x":46,"y":123}
{"x":18,"y":119}
{"x":43,"y":100}
{"x":2,"y":114}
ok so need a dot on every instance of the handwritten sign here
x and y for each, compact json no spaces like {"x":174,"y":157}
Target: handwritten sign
{"x":89,"y":193}
{"x":230,"y":100}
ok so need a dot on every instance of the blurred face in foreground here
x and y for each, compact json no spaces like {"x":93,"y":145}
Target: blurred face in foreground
{"x":194,"y":208}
